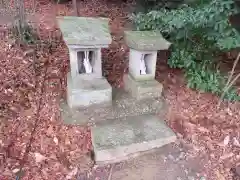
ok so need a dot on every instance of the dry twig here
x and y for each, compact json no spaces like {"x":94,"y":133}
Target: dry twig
{"x":229,"y":83}
{"x":110,"y":173}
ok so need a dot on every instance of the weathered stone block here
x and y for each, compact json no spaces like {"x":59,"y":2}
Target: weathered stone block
{"x":145,"y":40}
{"x":85,"y":31}
{"x":87,"y":91}
{"x":123,"y":105}
{"x":142,"y":89}
{"x":119,"y":139}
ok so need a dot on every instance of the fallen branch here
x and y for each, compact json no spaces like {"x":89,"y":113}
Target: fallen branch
{"x":229,"y":83}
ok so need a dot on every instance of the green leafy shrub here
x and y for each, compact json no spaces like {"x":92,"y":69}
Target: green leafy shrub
{"x":198,"y":33}
{"x":148,"y":5}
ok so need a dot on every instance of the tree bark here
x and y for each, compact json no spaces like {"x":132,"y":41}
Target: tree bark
{"x":20,"y":18}
{"x":75,"y":9}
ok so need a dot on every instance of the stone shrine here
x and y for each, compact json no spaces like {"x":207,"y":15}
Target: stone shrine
{"x":143,"y":54}
{"x":125,"y":122}
{"x":85,"y":83}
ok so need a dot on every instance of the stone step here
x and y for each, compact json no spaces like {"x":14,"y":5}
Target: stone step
{"x":119,"y":139}
{"x":123,"y":105}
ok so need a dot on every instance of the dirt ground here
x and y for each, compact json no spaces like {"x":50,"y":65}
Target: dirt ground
{"x":33,"y":136}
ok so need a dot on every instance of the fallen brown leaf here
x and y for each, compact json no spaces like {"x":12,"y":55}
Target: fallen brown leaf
{"x":39,"y":157}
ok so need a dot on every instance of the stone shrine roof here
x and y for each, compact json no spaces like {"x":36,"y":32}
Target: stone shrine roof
{"x":146,"y":40}
{"x":84,"y":31}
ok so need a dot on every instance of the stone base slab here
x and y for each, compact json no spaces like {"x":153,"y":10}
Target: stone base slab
{"x":142,"y":89}
{"x":120,"y":139}
{"x":122,"y":105}
{"x":85,"y":92}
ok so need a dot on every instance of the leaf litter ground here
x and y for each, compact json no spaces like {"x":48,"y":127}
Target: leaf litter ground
{"x":57,"y":149}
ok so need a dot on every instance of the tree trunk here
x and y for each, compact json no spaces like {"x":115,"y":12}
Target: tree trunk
{"x":74,"y":4}
{"x":20,"y":17}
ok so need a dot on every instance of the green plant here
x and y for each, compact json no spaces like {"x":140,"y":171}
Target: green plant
{"x":25,"y":35}
{"x":148,"y":5}
{"x":198,"y":32}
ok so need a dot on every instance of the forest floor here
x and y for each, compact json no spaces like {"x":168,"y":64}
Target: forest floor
{"x":32,"y":135}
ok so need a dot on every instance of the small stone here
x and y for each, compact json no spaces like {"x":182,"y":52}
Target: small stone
{"x":226,"y":140}
{"x":170,"y":157}
{"x":95,"y":166}
{"x":29,"y":52}
{"x":182,"y":155}
{"x":55,"y":139}
{"x":15,"y":170}
{"x":191,"y":178}
{"x":39,"y":157}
